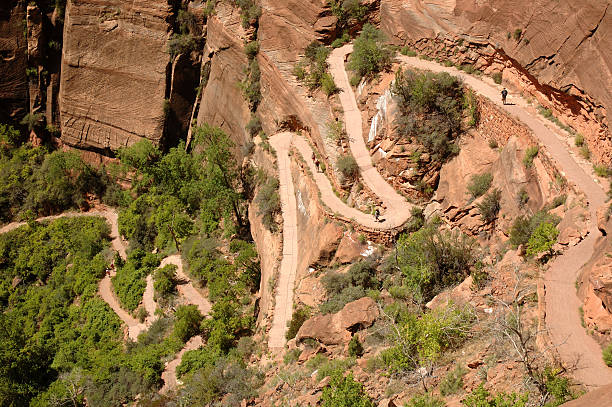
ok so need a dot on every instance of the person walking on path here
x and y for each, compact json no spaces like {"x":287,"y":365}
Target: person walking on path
{"x":376,"y":214}
{"x":504,"y":94}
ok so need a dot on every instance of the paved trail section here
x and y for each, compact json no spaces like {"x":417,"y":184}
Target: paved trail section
{"x":562,"y":303}
{"x":562,"y":317}
{"x":283,"y":307}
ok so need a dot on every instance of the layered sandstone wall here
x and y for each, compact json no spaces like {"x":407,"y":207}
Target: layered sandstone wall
{"x":114,"y":72}
{"x":13,"y":62}
{"x":555,"y":51}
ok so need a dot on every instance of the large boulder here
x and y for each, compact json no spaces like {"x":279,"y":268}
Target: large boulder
{"x":337,"y":329}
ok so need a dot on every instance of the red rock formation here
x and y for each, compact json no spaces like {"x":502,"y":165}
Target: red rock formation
{"x":556,"y":51}
{"x":13,"y":62}
{"x":114,"y":66}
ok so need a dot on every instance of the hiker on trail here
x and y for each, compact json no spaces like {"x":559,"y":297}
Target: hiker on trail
{"x":376,"y":214}
{"x":504,"y":94}
{"x":317,"y":163}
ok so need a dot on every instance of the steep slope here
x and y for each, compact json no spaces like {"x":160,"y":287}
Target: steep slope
{"x":13,"y":62}
{"x":555,"y":51}
{"x":113,"y":80}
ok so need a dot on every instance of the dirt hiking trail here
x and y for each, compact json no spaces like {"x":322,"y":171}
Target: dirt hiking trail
{"x":562,"y":303}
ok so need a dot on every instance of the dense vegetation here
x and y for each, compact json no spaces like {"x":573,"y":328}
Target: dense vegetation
{"x":431,"y":260}
{"x":59,"y":342}
{"x":35,"y":181}
{"x":431,"y":107}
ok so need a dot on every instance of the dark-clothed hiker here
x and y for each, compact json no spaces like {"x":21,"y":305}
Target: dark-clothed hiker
{"x":376,"y":214}
{"x":504,"y":94}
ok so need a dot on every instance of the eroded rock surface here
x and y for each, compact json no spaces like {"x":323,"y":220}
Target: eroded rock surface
{"x":113,"y":80}
{"x":13,"y":62}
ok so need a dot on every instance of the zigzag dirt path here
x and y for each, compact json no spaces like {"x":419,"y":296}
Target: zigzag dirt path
{"x":135,"y":328}
{"x":562,"y":317}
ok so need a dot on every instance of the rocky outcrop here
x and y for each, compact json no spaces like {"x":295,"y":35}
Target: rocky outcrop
{"x":113,"y":83}
{"x":556,"y":51}
{"x":13,"y":62}
{"x":336,"y":329}
{"x":596,"y":288}
{"x":222,"y":102}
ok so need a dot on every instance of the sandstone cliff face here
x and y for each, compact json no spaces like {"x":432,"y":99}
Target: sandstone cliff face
{"x":222,"y":103}
{"x":13,"y":62}
{"x":558,"y":50}
{"x":113,"y":82}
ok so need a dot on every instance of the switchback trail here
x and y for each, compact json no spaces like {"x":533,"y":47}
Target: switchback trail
{"x":562,"y":303}
{"x":135,"y":328}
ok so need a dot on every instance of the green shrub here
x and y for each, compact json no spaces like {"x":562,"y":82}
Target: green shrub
{"x":602,"y":171}
{"x":579,"y":140}
{"x":291,"y":356}
{"x":558,"y":201}
{"x":328,"y":85}
{"x":426,"y":400}
{"x":129,"y":282}
{"x":251,"y":49}
{"x":523,"y":227}
{"x":482,"y":398}
{"x":344,"y":391}
{"x":347,"y":166}
{"x":607,"y":355}
{"x":542,"y":239}
{"x":335,"y":130}
{"x":517,"y":34}
{"x":431,"y":110}
{"x":453,"y":381}
{"x":182,"y":44}
{"x":530,"y":154}
{"x":400,"y":292}
{"x":355,"y":348}
{"x":300,"y":315}
{"x":268,"y":202}
{"x":337,"y":301}
{"x":370,"y":54}
{"x":490,"y":205}
{"x":254,"y":125}
{"x":585,"y":152}
{"x":493,"y":144}
{"x":340,"y":41}
{"x":422,"y":340}
{"x":187,"y":323}
{"x":522,"y":198}
{"x":405,"y":50}
{"x":497,"y":77}
{"x":431,"y":260}
{"x":479,"y":184}
{"x":251,"y":86}
{"x":165,"y":280}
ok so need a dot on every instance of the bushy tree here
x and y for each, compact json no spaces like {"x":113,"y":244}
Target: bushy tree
{"x":165,"y":281}
{"x":431,"y":110}
{"x":370,"y":54}
{"x":431,"y":260}
{"x":542,"y":239}
{"x":344,"y":391}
